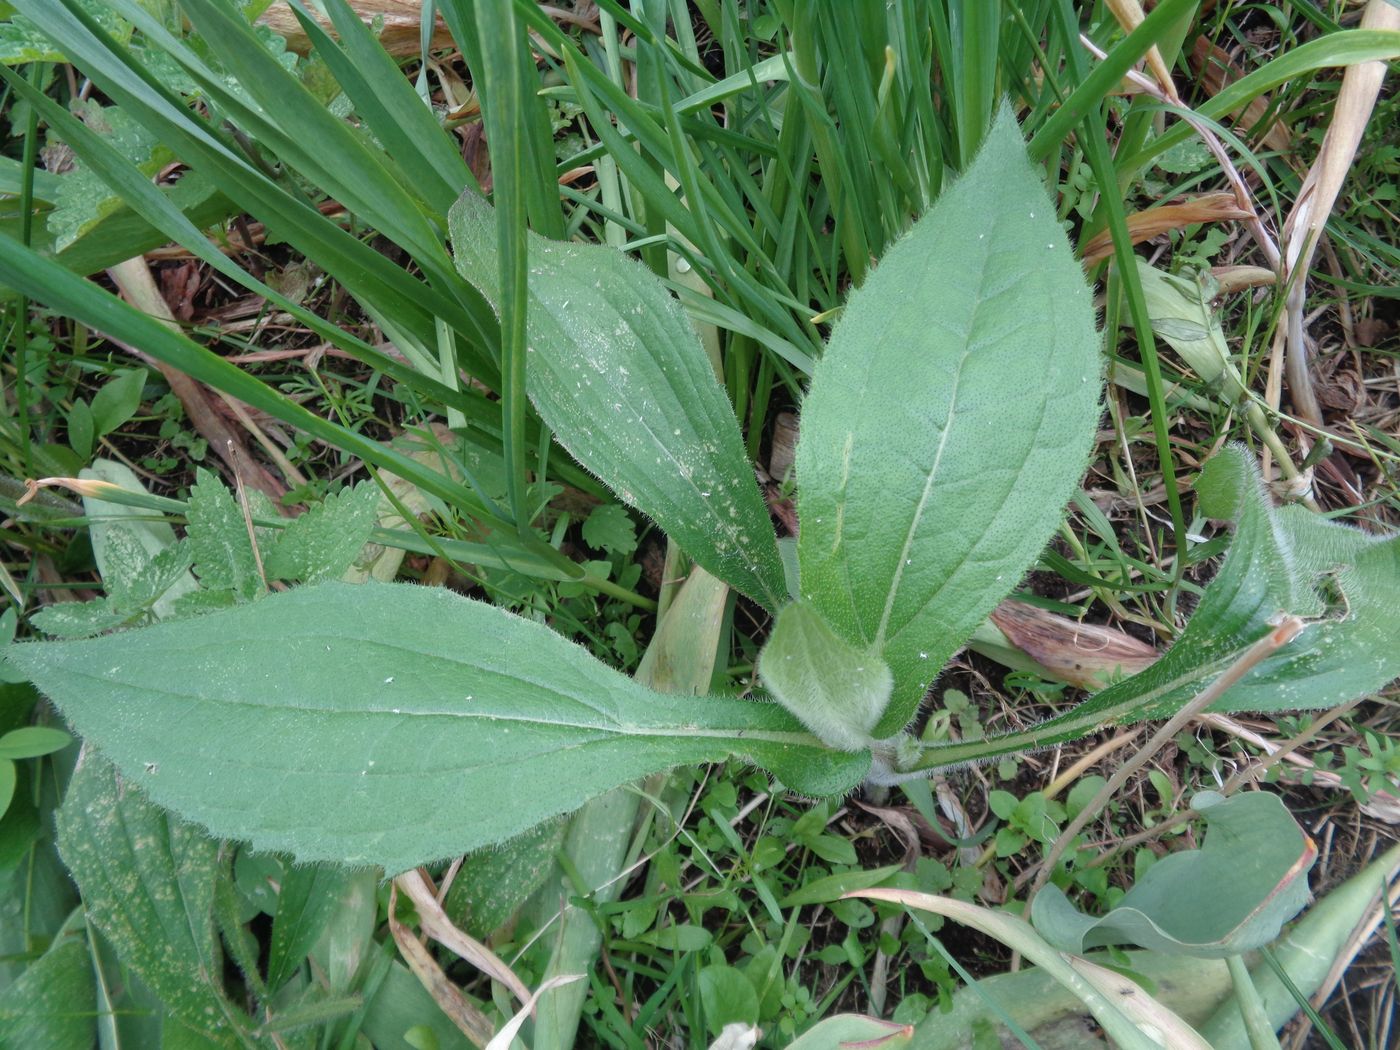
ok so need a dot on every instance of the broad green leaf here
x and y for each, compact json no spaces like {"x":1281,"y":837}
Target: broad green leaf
{"x":159,"y":578}
{"x":1284,"y":560}
{"x":1307,"y":952}
{"x":402,"y":1003}
{"x":728,"y":997}
{"x":219,"y":539}
{"x":33,"y":741}
{"x":111,"y":520}
{"x":618,"y":374}
{"x":492,"y":884}
{"x":51,"y":1005}
{"x":835,"y":689}
{"x":118,"y":399}
{"x":83,"y":198}
{"x":948,"y":422}
{"x":324,"y":542}
{"x":79,"y":619}
{"x":844,"y":1030}
{"x":832,"y":887}
{"x":317,"y":721}
{"x":81,"y":432}
{"x":8,"y":777}
{"x":125,"y":561}
{"x":309,"y":895}
{"x":610,"y":529}
{"x":147,"y":882}
{"x":21,"y":41}
{"x":1230,"y":896}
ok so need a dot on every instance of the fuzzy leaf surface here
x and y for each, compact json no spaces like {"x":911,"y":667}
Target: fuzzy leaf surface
{"x":1284,"y":560}
{"x":324,"y":542}
{"x":390,"y":724}
{"x":148,"y":883}
{"x":621,"y":378}
{"x":219,"y":540}
{"x":948,"y":422}
{"x":50,"y":1005}
{"x":837,"y":691}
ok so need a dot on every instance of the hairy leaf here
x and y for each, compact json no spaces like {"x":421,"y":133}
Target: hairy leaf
{"x":1284,"y":560}
{"x":78,"y":619}
{"x":1230,"y":896}
{"x":948,"y":421}
{"x":324,"y":542}
{"x":621,"y":378}
{"x":219,"y":541}
{"x":610,"y":529}
{"x":114,"y":523}
{"x":837,"y":691}
{"x":51,"y":1005}
{"x":493,"y":883}
{"x":23,"y":41}
{"x":390,"y":724}
{"x":148,"y":883}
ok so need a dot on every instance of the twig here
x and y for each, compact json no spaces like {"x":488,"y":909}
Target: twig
{"x":1306,"y":222}
{"x":241,"y":490}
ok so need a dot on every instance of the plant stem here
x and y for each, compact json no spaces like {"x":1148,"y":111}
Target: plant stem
{"x":1256,"y":1023}
{"x":1265,"y":647}
{"x":26,"y":233}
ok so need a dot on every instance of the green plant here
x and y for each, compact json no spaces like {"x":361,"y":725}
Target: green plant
{"x":752,"y":192}
{"x":1181,"y":995}
{"x":917,"y":518}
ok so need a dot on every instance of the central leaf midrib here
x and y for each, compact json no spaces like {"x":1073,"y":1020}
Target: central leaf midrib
{"x":739,"y":732}
{"x":892,"y":594}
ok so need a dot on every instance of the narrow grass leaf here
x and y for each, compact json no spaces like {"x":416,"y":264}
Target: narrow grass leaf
{"x":1346,"y":48}
{"x":49,"y":282}
{"x":1105,"y":77}
{"x":384,"y":287}
{"x":403,"y":123}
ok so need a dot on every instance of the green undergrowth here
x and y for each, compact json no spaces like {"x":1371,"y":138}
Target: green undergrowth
{"x":412,"y":373}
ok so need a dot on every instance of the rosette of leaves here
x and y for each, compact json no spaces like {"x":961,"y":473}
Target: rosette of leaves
{"x":946,"y":427}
